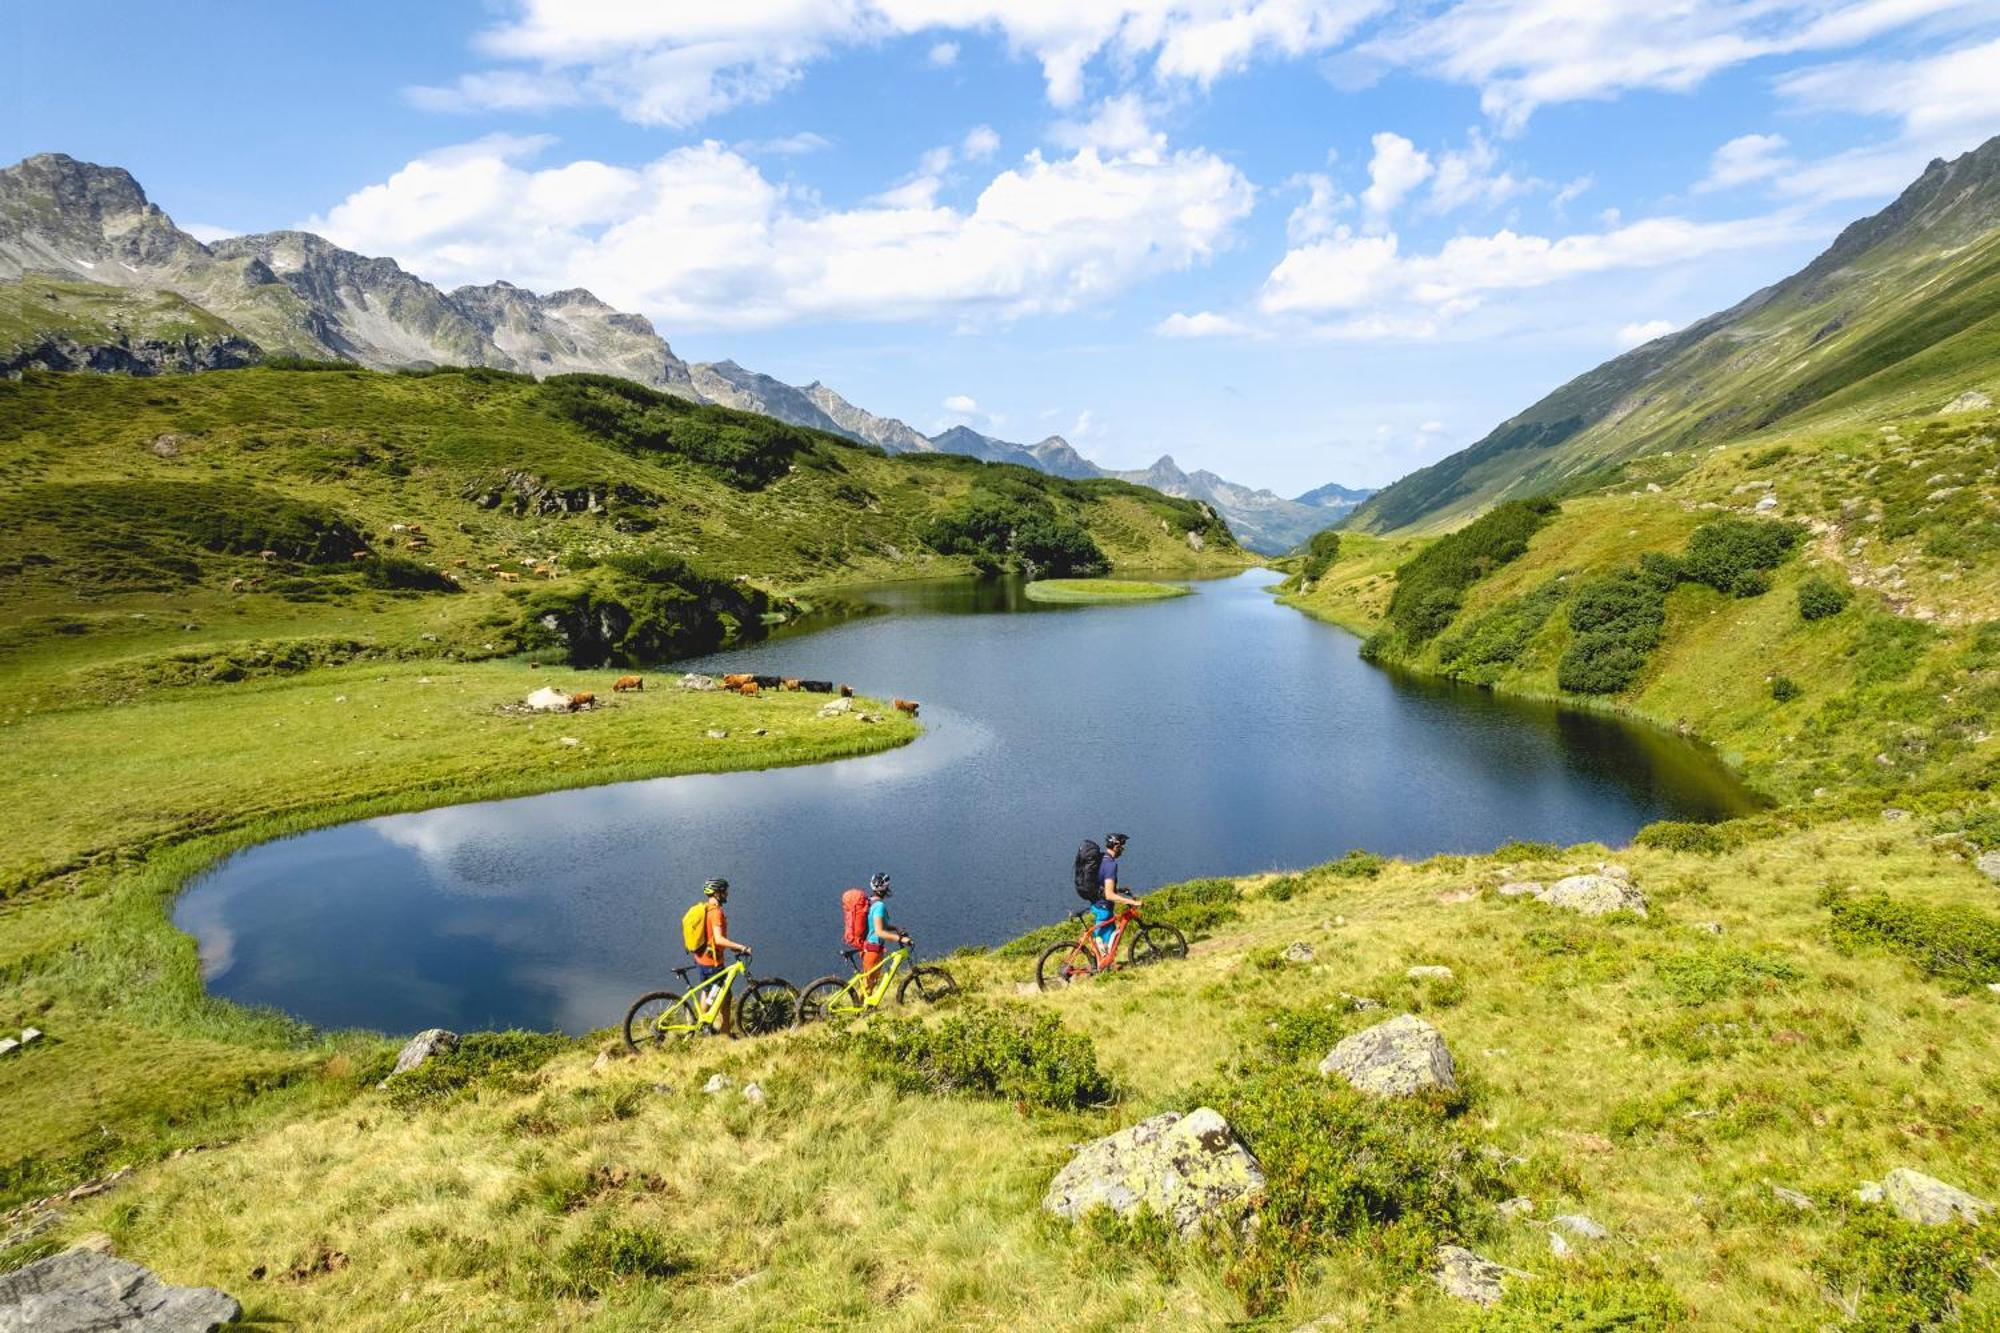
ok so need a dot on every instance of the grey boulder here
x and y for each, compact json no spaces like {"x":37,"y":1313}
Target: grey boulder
{"x":694,"y":680}
{"x":81,"y":1291}
{"x":1988,"y":864}
{"x":1186,"y":1168}
{"x":429,"y":1042}
{"x":1466,"y":1276}
{"x":1394,"y":1059}
{"x":1595,"y":895}
{"x":1921,"y":1198}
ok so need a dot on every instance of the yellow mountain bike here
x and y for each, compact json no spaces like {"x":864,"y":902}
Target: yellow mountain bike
{"x":765,"y":1005}
{"x":851,"y":996}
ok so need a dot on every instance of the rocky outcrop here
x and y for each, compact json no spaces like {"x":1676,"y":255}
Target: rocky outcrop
{"x":1403,"y":1056}
{"x":1466,"y":1276}
{"x":1596,"y":895}
{"x":1972,"y":400}
{"x":1921,"y":1198}
{"x":524,"y":493}
{"x":1186,"y":1168}
{"x":429,"y":1042}
{"x":132,"y":356}
{"x":82,"y":1291}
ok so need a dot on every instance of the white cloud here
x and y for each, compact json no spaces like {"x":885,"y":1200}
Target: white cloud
{"x":1121,"y":124}
{"x":1314,"y":216}
{"x":981,"y":142}
{"x":700,"y":238}
{"x":1522,"y":54}
{"x":208,"y":234}
{"x":1571,"y":192}
{"x":1397,"y":167}
{"x":790,"y":145}
{"x":1468,"y":176}
{"x":1203,"y":324}
{"x":1744,"y":159}
{"x":1632,"y":335}
{"x":962,"y":405}
{"x":675,"y":64}
{"x":1084,"y":426}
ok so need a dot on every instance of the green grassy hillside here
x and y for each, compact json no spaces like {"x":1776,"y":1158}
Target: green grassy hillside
{"x":1900,"y":315}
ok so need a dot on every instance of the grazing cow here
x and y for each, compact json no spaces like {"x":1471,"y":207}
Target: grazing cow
{"x":399,"y":527}
{"x":791,"y":682}
{"x":547,"y":571}
{"x":461,"y":564}
{"x":909,"y":706}
{"x":816,"y":686}
{"x":582,"y":699}
{"x":236,"y":585}
{"x":769,"y":682}
{"x":847,"y":691}
{"x":624,"y":683}
{"x":416,"y":544}
{"x":508,"y":576}
{"x":736,"y":681}
{"x":748,"y":689}
{"x":267,"y":556}
{"x":493,"y":569}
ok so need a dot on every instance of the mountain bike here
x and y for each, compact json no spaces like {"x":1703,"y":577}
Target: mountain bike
{"x":847,"y":997}
{"x":1151,"y":942}
{"x":765,"y":1005}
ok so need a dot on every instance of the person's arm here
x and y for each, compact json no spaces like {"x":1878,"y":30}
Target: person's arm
{"x":1112,"y":895}
{"x":724,"y":942}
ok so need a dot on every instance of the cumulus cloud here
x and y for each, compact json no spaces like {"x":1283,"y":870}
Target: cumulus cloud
{"x":1632,"y":335}
{"x":1397,"y":167}
{"x":700,"y":239}
{"x":1315,"y":216}
{"x":1202,"y":324}
{"x":790,"y":145}
{"x":981,"y":142}
{"x":962,"y":405}
{"x":675,"y":64}
{"x":1121,"y":124}
{"x":1743,"y":160}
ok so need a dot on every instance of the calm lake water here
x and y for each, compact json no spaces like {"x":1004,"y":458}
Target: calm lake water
{"x":1225,"y":733}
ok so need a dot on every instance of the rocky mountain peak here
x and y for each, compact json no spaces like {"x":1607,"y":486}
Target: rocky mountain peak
{"x":77,"y":187}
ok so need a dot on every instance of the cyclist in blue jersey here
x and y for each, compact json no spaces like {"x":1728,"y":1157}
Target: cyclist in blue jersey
{"x":880,"y":933}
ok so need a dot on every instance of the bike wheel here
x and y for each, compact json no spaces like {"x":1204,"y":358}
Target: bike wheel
{"x":1064,"y":963}
{"x":656,"y":1016}
{"x":1157,"y":943}
{"x":825,"y":999}
{"x":926,"y":985}
{"x":766,"y":1007}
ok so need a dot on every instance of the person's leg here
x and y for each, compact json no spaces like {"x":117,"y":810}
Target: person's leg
{"x":1100,"y":913}
{"x":704,"y":973}
{"x":871,"y":962}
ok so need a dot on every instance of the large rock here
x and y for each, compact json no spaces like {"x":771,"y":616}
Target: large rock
{"x":81,"y":1291}
{"x":1467,"y":1277}
{"x":1187,"y":1168}
{"x":694,"y":680}
{"x":1921,"y":1198}
{"x":1970,"y":401}
{"x":1595,"y":895}
{"x":1394,"y":1059}
{"x":429,"y":1042}
{"x":1989,"y":864}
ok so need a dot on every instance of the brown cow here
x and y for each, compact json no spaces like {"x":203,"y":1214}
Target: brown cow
{"x":493,"y":569}
{"x":748,"y":689}
{"x":582,"y":699}
{"x":909,"y":706}
{"x":508,"y":576}
{"x":736,"y":682}
{"x":791,"y":682}
{"x":628,"y":683}
{"x":847,"y":691}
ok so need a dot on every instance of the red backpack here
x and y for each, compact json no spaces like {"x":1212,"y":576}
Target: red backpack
{"x":854,"y":918}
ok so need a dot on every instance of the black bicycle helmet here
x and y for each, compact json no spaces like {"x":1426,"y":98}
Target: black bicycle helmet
{"x":1114,"y":841}
{"x":879,"y":883}
{"x":715,"y":888}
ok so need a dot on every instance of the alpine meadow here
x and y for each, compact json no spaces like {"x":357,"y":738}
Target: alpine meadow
{"x":514,"y":827}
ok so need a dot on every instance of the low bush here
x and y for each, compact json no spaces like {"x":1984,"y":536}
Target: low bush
{"x":989,"y":1050}
{"x":1320,"y":553}
{"x":481,"y":1057}
{"x":1616,"y":621}
{"x":1586,"y":1296}
{"x":1007,"y":523}
{"x":606,"y":1256}
{"x":1496,"y":639}
{"x":1784,"y":689}
{"x":1887,"y":1274}
{"x":1717,"y":974}
{"x":638,"y":609}
{"x":1675,"y":835}
{"x":744,"y":449}
{"x":1519,"y":850}
{"x":1196,"y":907}
{"x":1960,"y":944}
{"x":1820,"y":597}
{"x":1736,"y":555}
{"x":1357,"y":864}
{"x":1431,"y":584}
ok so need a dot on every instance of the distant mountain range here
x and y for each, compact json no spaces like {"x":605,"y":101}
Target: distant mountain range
{"x":1900,"y":314}
{"x":95,"y":276}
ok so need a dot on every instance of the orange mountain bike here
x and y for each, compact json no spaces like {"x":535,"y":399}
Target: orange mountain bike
{"x":1150,"y":942}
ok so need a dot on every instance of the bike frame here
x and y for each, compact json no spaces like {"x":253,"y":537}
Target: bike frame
{"x":863,"y":991}
{"x":709,"y":1007}
{"x":1120,"y":922}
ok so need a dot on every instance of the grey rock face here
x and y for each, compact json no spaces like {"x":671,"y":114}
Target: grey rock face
{"x":1466,"y":1276}
{"x":1394,"y":1059}
{"x":1595,"y":895}
{"x":1187,"y":1168}
{"x":429,"y":1042}
{"x":1988,"y":864}
{"x":1970,"y":401}
{"x":1921,"y":1198}
{"x":1792,"y":1199}
{"x":80,"y":1291}
{"x":1298,"y":951}
{"x":696,"y":681}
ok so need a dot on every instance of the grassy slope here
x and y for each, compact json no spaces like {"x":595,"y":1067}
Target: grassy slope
{"x":1101,"y":590}
{"x":1891,"y":698}
{"x":36,"y":308}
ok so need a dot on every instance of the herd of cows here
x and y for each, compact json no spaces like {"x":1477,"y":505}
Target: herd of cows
{"x":746,"y":684}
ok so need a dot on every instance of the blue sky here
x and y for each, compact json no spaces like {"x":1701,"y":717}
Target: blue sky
{"x":1294,"y":241}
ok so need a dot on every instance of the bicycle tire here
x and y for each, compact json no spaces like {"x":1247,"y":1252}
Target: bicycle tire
{"x":814,"y":999}
{"x":1157,"y":942}
{"x":1064,"y":964}
{"x":644,"y":1027}
{"x":767,"y":1006}
{"x":927,"y":985}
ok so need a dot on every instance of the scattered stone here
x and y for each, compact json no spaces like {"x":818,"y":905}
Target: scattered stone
{"x":1429,"y":972}
{"x":1466,"y":1276}
{"x":1454,"y":897}
{"x":1893,"y":815}
{"x":1709,"y":927}
{"x":101,"y":1185}
{"x":1970,"y":401}
{"x":753,"y":1093}
{"x":718,"y":1083}
{"x":836,"y":707}
{"x":1298,"y":951}
{"x":80,"y":1291}
{"x":1187,"y":1168}
{"x":1520,"y":888}
{"x":1360,"y":1003}
{"x":1921,"y":1198}
{"x":1595,"y":895}
{"x":1988,"y":864}
{"x":717,"y":734}
{"x":1791,"y":1198}
{"x":1580,"y":1226}
{"x":1394,"y":1059}
{"x":1993,"y":986}
{"x":547,"y":699}
{"x":1766,"y":504}
{"x":8,"y":1045}
{"x":570,"y":740}
{"x":429,"y":1042}
{"x":759,"y":731}
{"x":1869,"y":1192}
{"x":694,"y":680}
{"x":1559,"y":1247}
{"x":1518,"y":1206}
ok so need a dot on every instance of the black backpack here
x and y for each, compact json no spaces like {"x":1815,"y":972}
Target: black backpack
{"x":1089,"y":862}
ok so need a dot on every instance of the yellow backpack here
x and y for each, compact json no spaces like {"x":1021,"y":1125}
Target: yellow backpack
{"x":694,"y":927}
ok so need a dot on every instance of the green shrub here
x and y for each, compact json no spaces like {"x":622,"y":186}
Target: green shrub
{"x":480,"y":1057}
{"x":1496,"y":639}
{"x":1784,"y":689}
{"x":1588,"y":1296}
{"x":1715,"y":974}
{"x":1004,"y":521}
{"x":1339,"y":1167}
{"x":1430,"y":585}
{"x":1736,"y":555}
{"x":1006,"y":1051}
{"x":1616,"y":621}
{"x":744,"y":449}
{"x":1321,"y":551}
{"x":605,"y":1256}
{"x":1889,"y":648}
{"x":1519,"y":850}
{"x":1890,"y":1275}
{"x":1960,"y":944}
{"x":1820,"y":597}
{"x":638,"y":609}
{"x":1357,"y":864}
{"x":1674,"y":835}
{"x":1195,"y":907}
{"x":398,"y":574}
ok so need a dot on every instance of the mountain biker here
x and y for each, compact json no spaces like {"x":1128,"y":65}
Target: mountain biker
{"x":880,"y":933}
{"x":715,"y":939}
{"x":1109,"y":898}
